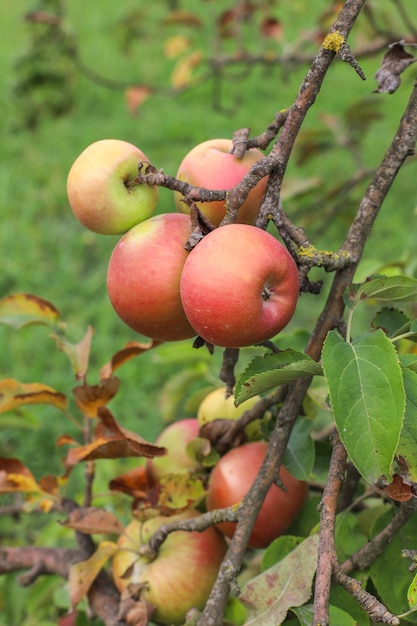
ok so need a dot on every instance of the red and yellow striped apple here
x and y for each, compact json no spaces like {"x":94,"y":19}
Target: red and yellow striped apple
{"x":182,"y":574}
{"x":100,"y":187}
{"x":212,"y":166}
{"x":230,"y":481}
{"x":239,"y":286}
{"x":143,"y":277}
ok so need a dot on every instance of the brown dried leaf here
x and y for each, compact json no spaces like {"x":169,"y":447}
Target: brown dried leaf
{"x":83,"y":574}
{"x":135,"y":96}
{"x":134,"y":610}
{"x":90,"y":398}
{"x":112,"y":442}
{"x":49,"y":484}
{"x":14,"y":476}
{"x":129,"y":351}
{"x":14,"y":394}
{"x":92,"y":520}
{"x":395,"y":61}
{"x":183,"y":17}
{"x":20,"y":309}
{"x":271,"y":28}
{"x":78,"y":353}
{"x":397,"y":490}
{"x":134,"y":483}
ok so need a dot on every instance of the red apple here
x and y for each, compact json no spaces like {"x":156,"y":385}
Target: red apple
{"x":143,"y":277}
{"x":230,"y":481}
{"x":100,"y":189}
{"x":212,"y":166}
{"x":174,"y":438}
{"x":239,"y":286}
{"x":182,"y":574}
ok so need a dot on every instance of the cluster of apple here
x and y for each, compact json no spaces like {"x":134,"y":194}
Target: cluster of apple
{"x":237,"y":287}
{"x":187,"y":565}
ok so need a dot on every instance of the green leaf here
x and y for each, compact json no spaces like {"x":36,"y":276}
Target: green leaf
{"x":412,"y":594}
{"x":337,"y":616}
{"x":383,"y":288}
{"x":407,"y":445}
{"x":268,"y":372}
{"x":389,"y":573}
{"x":270,"y":595}
{"x":278,"y":549}
{"x":368,"y":399}
{"x":21,"y":309}
{"x":348,"y":538}
{"x":299,"y":453}
{"x":391,"y":321}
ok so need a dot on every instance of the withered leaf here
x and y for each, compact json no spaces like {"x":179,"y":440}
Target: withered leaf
{"x":90,"y":398}
{"x":78,"y":353}
{"x":93,"y":520}
{"x":397,"y":490}
{"x":14,"y":394}
{"x":134,"y":483}
{"x":112,"y":442}
{"x":15,"y":476}
{"x":395,"y":61}
{"x":20,"y":309}
{"x":129,"y":351}
{"x":83,"y":574}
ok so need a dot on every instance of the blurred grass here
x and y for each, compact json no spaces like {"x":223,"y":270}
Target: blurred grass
{"x":45,"y":251}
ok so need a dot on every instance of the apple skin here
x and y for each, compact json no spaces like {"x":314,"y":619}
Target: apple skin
{"x":216,"y":406}
{"x":143,"y":277}
{"x":174,"y":438}
{"x":230,"y":481}
{"x":98,"y":190}
{"x":183,"y":573}
{"x":239,"y":286}
{"x":211,"y":165}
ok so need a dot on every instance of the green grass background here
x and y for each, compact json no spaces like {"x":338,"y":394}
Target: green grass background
{"x":46,"y":252}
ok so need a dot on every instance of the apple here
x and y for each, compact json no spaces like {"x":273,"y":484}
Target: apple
{"x":230,"y":481}
{"x":239,"y":286}
{"x":183,"y":572}
{"x":212,"y":166}
{"x":174,"y":438}
{"x":101,"y":191}
{"x":217,"y":406}
{"x":143,"y":277}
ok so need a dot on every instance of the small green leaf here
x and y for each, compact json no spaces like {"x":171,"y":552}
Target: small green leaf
{"x":268,"y":372}
{"x":384,"y":288}
{"x":392,"y":321}
{"x":299,"y":454}
{"x":412,"y":594}
{"x":368,"y":399}
{"x":407,"y":445}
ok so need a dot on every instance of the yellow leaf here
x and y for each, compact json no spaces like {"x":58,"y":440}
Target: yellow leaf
{"x":183,"y":72}
{"x":174,"y":46}
{"x":14,"y":394}
{"x":83,"y":574}
{"x":21,"y":309}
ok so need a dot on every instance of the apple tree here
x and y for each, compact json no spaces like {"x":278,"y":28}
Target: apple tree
{"x":300,"y":508}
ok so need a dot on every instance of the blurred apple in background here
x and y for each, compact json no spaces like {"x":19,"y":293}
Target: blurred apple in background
{"x":174,"y":438}
{"x":212,"y":166}
{"x":183,"y":572}
{"x":239,"y":286}
{"x":217,"y":406}
{"x":100,"y":190}
{"x":143,"y":277}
